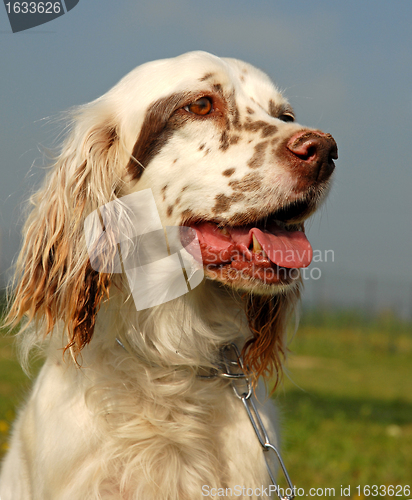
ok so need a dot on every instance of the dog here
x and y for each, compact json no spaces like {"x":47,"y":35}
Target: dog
{"x":128,"y":404}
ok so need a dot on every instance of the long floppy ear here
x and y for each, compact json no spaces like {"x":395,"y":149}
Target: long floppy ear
{"x":268,"y":317}
{"x":54,"y":280}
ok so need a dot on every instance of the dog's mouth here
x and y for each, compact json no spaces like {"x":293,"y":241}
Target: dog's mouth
{"x":269,"y":250}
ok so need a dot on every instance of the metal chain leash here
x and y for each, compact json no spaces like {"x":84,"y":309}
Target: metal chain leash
{"x":242,"y":387}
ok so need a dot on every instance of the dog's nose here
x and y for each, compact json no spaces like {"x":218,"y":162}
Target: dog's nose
{"x":314,"y":153}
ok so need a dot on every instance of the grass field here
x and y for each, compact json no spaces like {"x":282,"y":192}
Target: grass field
{"x":346,"y":403}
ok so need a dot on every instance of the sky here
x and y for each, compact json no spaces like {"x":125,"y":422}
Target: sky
{"x":346,"y":67}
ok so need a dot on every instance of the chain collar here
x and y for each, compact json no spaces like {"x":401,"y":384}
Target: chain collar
{"x":242,"y":387}
{"x":232,"y":368}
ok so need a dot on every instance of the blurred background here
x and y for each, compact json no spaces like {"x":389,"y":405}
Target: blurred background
{"x":346,"y":68}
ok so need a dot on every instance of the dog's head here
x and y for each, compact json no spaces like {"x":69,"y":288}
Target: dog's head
{"x":222,"y":153}
{"x":218,"y":145}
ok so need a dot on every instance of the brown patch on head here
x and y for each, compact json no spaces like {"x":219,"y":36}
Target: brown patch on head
{"x":224,"y":141}
{"x":274,"y":109}
{"x":169,"y":210}
{"x":187,"y":216}
{"x":250,"y":182}
{"x":277,"y":110}
{"x":217,"y":87}
{"x":227,"y":140}
{"x":164,"y":191}
{"x":155,"y":132}
{"x":229,"y":172}
{"x":242,"y":78}
{"x":269,"y":130}
{"x":250,"y":110}
{"x":233,"y":111}
{"x":177,"y":201}
{"x":258,"y":157}
{"x":207,"y":76}
{"x":201,"y":147}
{"x":184,"y":188}
{"x":223,"y":202}
{"x":266,"y":128}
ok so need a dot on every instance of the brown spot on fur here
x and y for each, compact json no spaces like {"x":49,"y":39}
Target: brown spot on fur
{"x":169,"y":210}
{"x":224,"y":141}
{"x":250,"y":182}
{"x":242,"y":78}
{"x":164,"y":191}
{"x":175,"y":160}
{"x":250,"y":111}
{"x":177,"y":201}
{"x":255,"y":126}
{"x":184,"y":188}
{"x":229,"y":172}
{"x":233,"y":111}
{"x":223,"y":202}
{"x":187,"y":216}
{"x":207,"y":76}
{"x":201,"y":147}
{"x":274,"y":109}
{"x":227,"y":140}
{"x":269,"y":130}
{"x":155,"y":132}
{"x":217,"y":87}
{"x":259,"y":155}
{"x":277,"y":110}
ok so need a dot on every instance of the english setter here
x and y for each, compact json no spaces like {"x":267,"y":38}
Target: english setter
{"x":136,"y":411}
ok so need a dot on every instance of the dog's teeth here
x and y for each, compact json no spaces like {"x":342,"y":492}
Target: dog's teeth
{"x":256,"y":245}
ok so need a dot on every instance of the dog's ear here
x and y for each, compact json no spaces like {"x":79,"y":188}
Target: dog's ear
{"x":268,"y":317}
{"x":54,"y":279}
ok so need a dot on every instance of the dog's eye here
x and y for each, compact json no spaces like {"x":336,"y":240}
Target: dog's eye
{"x":287,"y":118}
{"x":202,"y":106}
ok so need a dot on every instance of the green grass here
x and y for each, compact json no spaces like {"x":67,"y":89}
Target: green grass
{"x":346,"y":401}
{"x":346,"y":404}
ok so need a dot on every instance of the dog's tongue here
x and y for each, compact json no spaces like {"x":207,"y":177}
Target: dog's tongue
{"x":285,"y":248}
{"x":289,"y":249}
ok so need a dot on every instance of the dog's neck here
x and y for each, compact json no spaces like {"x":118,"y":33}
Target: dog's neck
{"x":189,"y":330}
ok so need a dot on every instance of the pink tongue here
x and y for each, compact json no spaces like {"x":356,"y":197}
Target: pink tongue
{"x":285,"y":248}
{"x":289,"y":249}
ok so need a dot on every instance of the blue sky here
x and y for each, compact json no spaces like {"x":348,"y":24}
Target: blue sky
{"x":346,"y":67}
